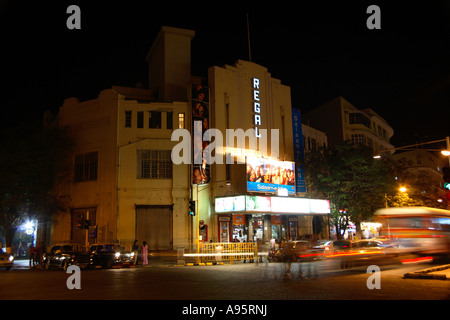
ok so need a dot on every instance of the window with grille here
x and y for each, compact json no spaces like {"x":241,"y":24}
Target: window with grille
{"x":86,"y":167}
{"x":181,"y":121}
{"x":154,"y":164}
{"x":128,"y":119}
{"x":358,"y":139}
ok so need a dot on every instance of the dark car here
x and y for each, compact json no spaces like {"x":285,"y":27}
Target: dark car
{"x":108,"y":255}
{"x":63,"y":255}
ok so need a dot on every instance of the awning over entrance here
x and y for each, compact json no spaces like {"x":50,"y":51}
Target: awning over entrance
{"x":272,"y":205}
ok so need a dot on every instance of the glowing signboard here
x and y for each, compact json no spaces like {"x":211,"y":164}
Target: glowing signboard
{"x":265,"y":175}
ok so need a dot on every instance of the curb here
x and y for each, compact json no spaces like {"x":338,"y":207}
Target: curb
{"x":424,"y":273}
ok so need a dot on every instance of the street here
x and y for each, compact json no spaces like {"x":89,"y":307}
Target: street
{"x":308,"y":281}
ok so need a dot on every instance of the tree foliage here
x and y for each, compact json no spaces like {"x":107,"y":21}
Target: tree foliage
{"x":33,"y":158}
{"x":354,"y":182}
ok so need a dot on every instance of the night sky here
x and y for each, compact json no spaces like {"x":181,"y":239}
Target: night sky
{"x":322,"y":51}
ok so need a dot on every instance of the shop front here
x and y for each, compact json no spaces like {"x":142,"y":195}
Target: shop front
{"x":248,"y":218}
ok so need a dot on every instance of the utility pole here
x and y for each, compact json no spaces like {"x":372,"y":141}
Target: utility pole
{"x":248,"y":37}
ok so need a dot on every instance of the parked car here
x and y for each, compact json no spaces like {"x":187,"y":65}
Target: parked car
{"x":108,"y":255}
{"x":63,"y":255}
{"x":6,"y":260}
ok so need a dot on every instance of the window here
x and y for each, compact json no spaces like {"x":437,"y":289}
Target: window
{"x":358,"y":118}
{"x":127,"y":119}
{"x":154,"y":164}
{"x":358,"y":139}
{"x":181,"y":121}
{"x":140,"y":119}
{"x":86,"y":166}
{"x":154,"y":120}
{"x":169,"y":117}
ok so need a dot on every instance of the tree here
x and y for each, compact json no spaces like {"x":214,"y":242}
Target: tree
{"x":33,"y":158}
{"x":354,"y":182}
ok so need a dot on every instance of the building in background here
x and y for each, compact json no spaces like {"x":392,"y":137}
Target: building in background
{"x":423,"y":175}
{"x":342,"y":121}
{"x":313,"y":139}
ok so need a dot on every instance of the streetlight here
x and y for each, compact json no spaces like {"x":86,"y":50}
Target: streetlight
{"x":444,"y":152}
{"x":402,"y":189}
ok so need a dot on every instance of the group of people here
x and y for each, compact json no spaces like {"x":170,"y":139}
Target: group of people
{"x":275,"y":175}
{"x":36,"y":254}
{"x":143,"y":250}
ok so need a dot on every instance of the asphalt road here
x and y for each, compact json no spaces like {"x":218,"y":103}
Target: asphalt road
{"x":244,"y":282}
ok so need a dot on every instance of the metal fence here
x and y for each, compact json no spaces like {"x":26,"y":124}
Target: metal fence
{"x":230,"y":252}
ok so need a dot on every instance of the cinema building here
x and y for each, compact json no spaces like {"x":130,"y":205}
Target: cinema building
{"x":258,"y":199}
{"x":126,"y":184}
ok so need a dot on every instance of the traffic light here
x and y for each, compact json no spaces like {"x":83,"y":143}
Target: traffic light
{"x":446,"y":172}
{"x":87,"y":224}
{"x":80,"y":221}
{"x":192,"y":208}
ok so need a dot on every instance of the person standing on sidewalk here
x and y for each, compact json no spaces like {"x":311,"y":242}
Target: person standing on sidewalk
{"x":32,"y":252}
{"x":135,"y":249}
{"x":144,"y":253}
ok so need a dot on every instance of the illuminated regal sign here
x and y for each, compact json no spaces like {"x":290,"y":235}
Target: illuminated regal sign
{"x":256,"y":107}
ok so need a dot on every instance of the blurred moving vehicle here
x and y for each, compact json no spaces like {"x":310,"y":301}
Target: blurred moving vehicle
{"x":341,"y":245}
{"x":299,"y":250}
{"x":323,"y":246}
{"x":109,"y":255}
{"x":63,"y":255}
{"x":6,"y":260}
{"x":418,"y":230}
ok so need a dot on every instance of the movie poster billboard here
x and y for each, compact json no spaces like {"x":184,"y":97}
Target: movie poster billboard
{"x":265,"y":175}
{"x":200,"y":118}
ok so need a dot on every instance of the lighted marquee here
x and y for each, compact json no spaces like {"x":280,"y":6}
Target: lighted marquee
{"x":284,"y":205}
{"x":229,"y":204}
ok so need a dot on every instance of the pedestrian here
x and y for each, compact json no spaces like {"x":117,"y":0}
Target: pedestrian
{"x":144,"y":253}
{"x":135,"y":249}
{"x":31,"y":252}
{"x":38,"y":253}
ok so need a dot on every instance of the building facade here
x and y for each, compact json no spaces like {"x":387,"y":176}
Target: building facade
{"x":241,"y":210}
{"x":342,"y":121}
{"x":127,"y":185}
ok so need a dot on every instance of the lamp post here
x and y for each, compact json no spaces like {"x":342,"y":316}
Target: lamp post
{"x":444,"y":152}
